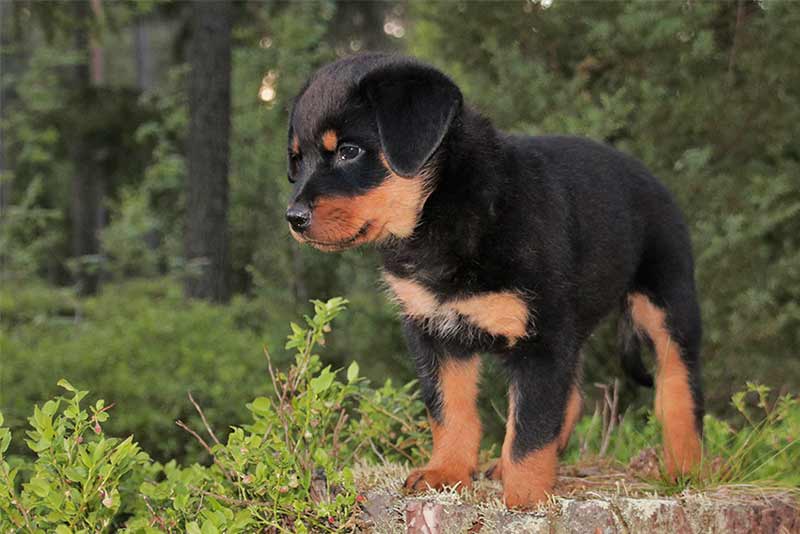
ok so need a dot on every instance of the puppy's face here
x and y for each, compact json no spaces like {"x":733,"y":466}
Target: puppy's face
{"x":361,"y":145}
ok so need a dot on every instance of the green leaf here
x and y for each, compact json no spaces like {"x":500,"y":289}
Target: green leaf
{"x":323,"y":381}
{"x":66,"y":385}
{"x":242,"y":519}
{"x":352,"y":372}
{"x":39,"y":487}
{"x":193,"y":528}
{"x":261,"y":405}
{"x":5,"y":439}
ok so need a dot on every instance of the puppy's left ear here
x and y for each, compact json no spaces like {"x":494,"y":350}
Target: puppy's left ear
{"x":414,"y":107}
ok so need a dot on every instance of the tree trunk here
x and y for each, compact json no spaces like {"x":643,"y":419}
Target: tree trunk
{"x":87,"y":188}
{"x":206,"y":238}
{"x":145,"y":65}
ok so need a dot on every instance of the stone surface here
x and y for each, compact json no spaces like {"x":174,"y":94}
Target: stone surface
{"x":597,"y":514}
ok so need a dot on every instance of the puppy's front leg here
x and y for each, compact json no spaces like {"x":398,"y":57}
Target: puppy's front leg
{"x":544,"y":403}
{"x":450,"y":389}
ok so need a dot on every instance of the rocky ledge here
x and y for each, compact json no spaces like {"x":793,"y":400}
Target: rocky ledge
{"x":600,"y":503}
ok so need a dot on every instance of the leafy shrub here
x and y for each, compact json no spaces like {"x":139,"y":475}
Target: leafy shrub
{"x":141,"y":346}
{"x":288,"y":469}
{"x":80,"y":476}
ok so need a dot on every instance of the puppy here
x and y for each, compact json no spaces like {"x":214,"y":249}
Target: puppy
{"x":497,"y":243}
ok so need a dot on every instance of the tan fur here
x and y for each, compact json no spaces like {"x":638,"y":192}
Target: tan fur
{"x":391,"y":209}
{"x":503,"y":313}
{"x":416,"y":301}
{"x":498,"y":313}
{"x":530,"y":480}
{"x":571,"y":416}
{"x":457,"y":440}
{"x":674,"y":405}
{"x":330,"y":140}
{"x":295,"y":145}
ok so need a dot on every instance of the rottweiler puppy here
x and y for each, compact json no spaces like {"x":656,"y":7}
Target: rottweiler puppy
{"x":497,"y":243}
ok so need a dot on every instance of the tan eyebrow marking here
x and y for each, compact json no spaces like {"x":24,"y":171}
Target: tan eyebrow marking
{"x":295,"y":145}
{"x":330,"y":140}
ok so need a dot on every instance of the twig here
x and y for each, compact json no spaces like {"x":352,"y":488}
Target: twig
{"x":231,"y":500}
{"x":735,"y":44}
{"x":156,"y":518}
{"x":281,"y":394}
{"x":610,"y":404}
{"x":337,"y":429}
{"x":227,"y":473}
{"x":272,"y":376}
{"x":203,"y":417}
{"x":375,"y":450}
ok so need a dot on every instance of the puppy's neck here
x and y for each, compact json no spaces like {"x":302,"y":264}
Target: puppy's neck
{"x":466,"y":185}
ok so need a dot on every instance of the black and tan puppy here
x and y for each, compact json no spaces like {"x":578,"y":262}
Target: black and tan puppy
{"x":496,"y":243}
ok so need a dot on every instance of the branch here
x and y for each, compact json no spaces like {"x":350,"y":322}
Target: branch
{"x":203,"y":417}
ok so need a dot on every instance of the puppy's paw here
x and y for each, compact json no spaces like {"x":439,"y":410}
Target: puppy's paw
{"x":494,"y":471}
{"x":437,"y":478}
{"x":524,"y":498}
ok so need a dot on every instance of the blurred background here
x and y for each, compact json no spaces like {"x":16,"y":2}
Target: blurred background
{"x":144,"y":252}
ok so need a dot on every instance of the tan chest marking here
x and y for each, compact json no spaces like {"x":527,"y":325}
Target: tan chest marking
{"x":501,"y":313}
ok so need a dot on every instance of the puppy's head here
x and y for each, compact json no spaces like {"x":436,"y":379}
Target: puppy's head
{"x":363,"y":140}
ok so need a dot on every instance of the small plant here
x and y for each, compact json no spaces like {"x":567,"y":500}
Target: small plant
{"x":765,"y":450}
{"x":75,"y":483}
{"x":762,"y":451}
{"x":289,"y":470}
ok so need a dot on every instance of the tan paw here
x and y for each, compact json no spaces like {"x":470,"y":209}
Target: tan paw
{"x":424,"y":479}
{"x":524,"y":498}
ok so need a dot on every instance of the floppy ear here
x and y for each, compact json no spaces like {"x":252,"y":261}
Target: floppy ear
{"x":414,"y":106}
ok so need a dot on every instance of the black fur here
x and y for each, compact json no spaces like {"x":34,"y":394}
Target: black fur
{"x":573,"y":225}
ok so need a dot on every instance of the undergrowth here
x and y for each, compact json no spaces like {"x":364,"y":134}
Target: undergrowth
{"x":290,"y":468}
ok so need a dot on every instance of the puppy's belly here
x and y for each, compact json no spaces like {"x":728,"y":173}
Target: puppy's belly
{"x":501,"y":313}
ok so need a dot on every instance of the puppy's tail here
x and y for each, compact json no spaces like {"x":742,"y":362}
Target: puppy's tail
{"x":630,"y":346}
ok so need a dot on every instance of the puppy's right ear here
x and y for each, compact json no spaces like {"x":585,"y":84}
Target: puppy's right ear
{"x":414,"y":107}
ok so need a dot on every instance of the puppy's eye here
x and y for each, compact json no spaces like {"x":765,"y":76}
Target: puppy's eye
{"x":347,"y":152}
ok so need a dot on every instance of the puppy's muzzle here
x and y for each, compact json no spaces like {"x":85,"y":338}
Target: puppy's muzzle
{"x":299,"y":217}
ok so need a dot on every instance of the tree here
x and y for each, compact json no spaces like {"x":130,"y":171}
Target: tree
{"x":206,"y":237}
{"x":88,"y":182}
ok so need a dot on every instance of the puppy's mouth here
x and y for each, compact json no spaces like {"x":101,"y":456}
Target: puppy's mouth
{"x":335,"y":246}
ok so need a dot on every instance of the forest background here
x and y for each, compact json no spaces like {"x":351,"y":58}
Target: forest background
{"x":143,"y":247}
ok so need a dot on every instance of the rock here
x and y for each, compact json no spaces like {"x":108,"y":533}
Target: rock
{"x":600,"y":514}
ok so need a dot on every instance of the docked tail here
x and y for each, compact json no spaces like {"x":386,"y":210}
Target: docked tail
{"x":630,"y":346}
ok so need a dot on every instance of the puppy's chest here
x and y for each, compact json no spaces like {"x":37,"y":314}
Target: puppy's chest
{"x":500,"y":313}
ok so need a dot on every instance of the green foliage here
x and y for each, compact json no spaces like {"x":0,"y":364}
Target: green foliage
{"x":139,"y":345}
{"x":764,"y":449}
{"x":760,"y":449}
{"x":290,"y":468}
{"x":80,"y":479}
{"x":636,"y":430}
{"x":28,"y":235}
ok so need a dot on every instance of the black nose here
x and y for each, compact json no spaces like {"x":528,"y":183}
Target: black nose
{"x":299,"y":216}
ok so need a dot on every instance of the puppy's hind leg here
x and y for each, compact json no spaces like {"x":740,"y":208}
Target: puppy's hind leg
{"x":673,"y":326}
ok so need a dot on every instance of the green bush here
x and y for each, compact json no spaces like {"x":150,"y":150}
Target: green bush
{"x":288,"y":469}
{"x":141,"y":346}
